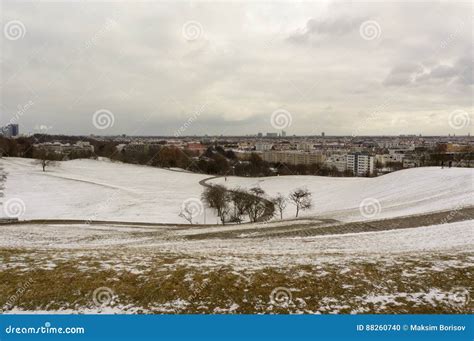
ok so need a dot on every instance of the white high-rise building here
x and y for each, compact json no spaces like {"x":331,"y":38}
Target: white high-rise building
{"x":360,"y":164}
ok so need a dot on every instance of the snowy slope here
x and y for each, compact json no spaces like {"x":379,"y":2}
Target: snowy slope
{"x":104,"y":190}
{"x":410,"y":191}
{"x":101,"y":190}
{"x":458,"y":236}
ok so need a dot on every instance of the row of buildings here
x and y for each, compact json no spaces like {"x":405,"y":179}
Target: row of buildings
{"x":65,"y":148}
{"x":360,"y":164}
{"x":273,"y":135}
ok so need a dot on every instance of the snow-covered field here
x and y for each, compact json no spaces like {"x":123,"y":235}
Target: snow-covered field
{"x":104,"y":190}
{"x":454,"y":237}
{"x":428,"y":269}
{"x":333,"y":260}
{"x":410,"y":191}
{"x":101,"y":190}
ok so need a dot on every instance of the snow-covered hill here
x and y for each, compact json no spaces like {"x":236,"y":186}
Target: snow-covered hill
{"x":406,"y":192}
{"x":105,"y":190}
{"x":101,"y":190}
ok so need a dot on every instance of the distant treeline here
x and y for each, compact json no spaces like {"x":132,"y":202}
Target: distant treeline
{"x":214,"y":161}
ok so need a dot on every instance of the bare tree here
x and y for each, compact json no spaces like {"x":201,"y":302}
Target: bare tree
{"x":301,"y":198}
{"x":45,"y":159}
{"x":255,"y":204}
{"x":218,"y":198}
{"x":280,"y":203}
{"x":239,"y":200}
{"x":186,"y":214}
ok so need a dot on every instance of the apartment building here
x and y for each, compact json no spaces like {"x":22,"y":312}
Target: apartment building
{"x":61,"y":148}
{"x":337,"y":160}
{"x":262,"y":146}
{"x":360,"y":164}
{"x":383,"y":159}
{"x":196,"y":147}
{"x":292,"y":157}
{"x":305,"y":146}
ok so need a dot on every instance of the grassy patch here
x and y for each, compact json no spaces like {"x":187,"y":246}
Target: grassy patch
{"x":399,"y":285}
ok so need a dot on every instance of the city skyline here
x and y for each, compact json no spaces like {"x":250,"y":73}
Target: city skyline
{"x":159,"y":69}
{"x":259,"y":135}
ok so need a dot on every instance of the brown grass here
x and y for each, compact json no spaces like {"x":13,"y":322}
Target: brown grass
{"x":329,"y":288}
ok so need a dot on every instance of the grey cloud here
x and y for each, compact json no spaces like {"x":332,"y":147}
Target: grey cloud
{"x":465,"y":70}
{"x":418,"y":74}
{"x":316,"y":28}
{"x":443,"y":71}
{"x":404,"y":74}
{"x":245,"y":65}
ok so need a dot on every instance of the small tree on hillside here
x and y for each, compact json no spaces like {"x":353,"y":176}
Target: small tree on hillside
{"x":45,"y":159}
{"x":255,"y":204}
{"x":280,"y":203}
{"x":301,"y":198}
{"x":239,"y":200}
{"x":218,"y":198}
{"x":186,"y":214}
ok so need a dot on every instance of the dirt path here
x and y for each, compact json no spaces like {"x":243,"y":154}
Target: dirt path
{"x":332,"y":227}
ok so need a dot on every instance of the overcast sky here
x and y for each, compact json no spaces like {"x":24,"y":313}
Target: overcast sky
{"x":162,"y":68}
